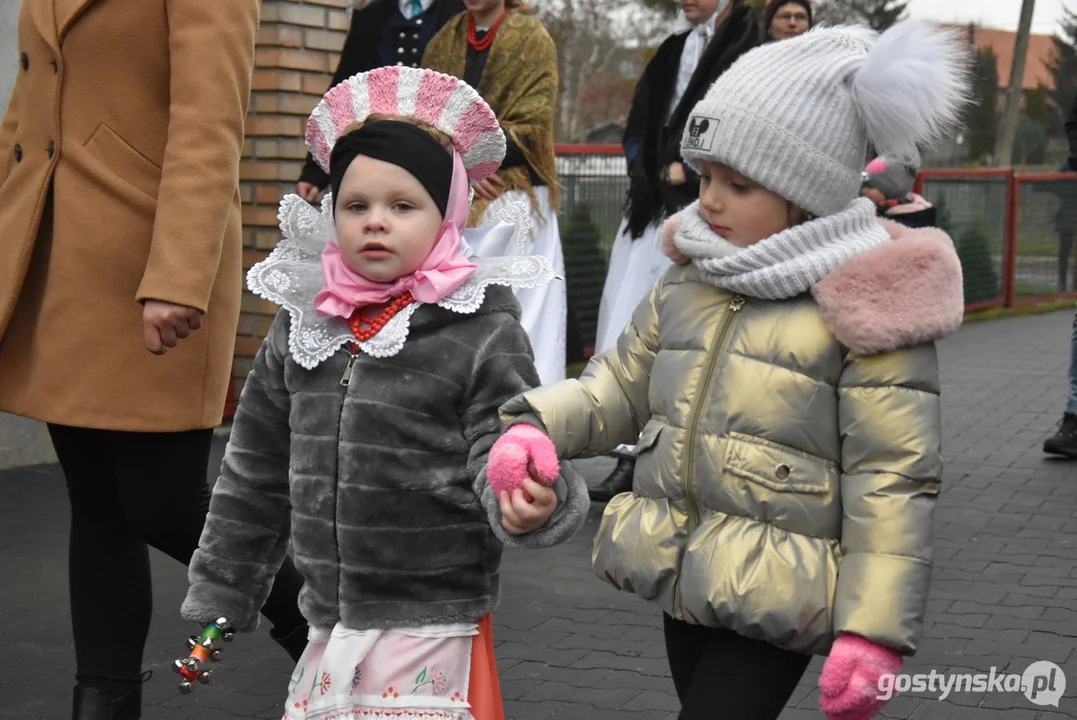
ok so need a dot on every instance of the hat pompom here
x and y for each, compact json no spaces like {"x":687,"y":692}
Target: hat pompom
{"x":910,"y":88}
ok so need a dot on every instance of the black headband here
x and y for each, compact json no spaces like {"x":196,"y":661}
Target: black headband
{"x":399,"y":143}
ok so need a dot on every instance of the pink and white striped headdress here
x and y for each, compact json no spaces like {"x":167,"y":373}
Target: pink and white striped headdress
{"x":446,"y":102}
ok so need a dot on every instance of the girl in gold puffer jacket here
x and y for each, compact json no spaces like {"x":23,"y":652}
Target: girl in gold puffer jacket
{"x":783,"y":386}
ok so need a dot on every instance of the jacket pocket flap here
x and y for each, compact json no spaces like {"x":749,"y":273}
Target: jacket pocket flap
{"x":778,"y":467}
{"x":649,"y":436}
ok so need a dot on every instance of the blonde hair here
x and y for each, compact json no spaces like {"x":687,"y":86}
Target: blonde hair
{"x":441,"y":137}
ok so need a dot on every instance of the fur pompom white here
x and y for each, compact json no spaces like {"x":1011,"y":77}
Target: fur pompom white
{"x":911,"y":87}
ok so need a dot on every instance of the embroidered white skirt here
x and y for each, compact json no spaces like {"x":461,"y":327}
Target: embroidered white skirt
{"x":635,"y":266}
{"x":405,"y":674}
{"x":544,"y":308}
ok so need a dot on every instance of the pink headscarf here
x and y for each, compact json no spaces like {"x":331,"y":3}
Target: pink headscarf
{"x":441,"y":274}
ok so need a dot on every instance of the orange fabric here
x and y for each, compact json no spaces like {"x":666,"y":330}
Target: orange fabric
{"x":484,"y":688}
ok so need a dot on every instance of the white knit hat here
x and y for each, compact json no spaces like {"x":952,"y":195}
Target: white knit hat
{"x":797,"y":115}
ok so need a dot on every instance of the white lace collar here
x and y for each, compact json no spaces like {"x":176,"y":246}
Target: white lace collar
{"x":292,"y":275}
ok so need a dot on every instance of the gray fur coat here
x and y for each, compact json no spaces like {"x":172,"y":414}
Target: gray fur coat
{"x":380,"y":485}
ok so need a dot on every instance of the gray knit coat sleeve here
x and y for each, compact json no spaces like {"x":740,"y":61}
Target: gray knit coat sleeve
{"x":503,"y":369}
{"x":245,"y":537}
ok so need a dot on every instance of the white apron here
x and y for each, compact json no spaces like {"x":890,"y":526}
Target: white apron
{"x":544,"y":307}
{"x":635,"y":266}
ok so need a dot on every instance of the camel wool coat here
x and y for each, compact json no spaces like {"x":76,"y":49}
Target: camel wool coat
{"x":119,"y":183}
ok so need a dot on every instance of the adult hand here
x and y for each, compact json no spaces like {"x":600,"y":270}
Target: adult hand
{"x":165,"y":324}
{"x":307,"y":191}
{"x":675,"y":173}
{"x":518,"y":516}
{"x":490,"y":187}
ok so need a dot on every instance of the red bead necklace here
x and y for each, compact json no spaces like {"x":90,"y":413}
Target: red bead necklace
{"x":472,"y":33}
{"x":364,"y":327}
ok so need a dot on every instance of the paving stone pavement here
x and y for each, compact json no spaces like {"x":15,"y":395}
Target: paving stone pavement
{"x":570,"y":648}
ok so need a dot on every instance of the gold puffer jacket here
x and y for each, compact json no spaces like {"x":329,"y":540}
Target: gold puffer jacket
{"x":789,"y":451}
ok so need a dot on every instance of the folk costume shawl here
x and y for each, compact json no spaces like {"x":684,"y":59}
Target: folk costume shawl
{"x":519,"y":83}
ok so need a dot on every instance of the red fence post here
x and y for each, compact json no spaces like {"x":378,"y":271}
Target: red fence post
{"x":1009,"y":247}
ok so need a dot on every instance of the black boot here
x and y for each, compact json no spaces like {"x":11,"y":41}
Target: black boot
{"x":92,"y":704}
{"x":619,"y":481}
{"x":294,"y":643}
{"x":1063,"y":442}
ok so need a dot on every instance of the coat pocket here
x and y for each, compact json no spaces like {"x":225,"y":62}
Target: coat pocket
{"x":124,"y":161}
{"x":779,"y":467}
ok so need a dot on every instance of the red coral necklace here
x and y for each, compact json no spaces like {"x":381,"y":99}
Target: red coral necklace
{"x":472,"y":33}
{"x":364,"y":327}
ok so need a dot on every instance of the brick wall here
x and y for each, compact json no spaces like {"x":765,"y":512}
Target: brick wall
{"x":298,"y":48}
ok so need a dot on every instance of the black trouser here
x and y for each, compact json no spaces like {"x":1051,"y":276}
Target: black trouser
{"x":129,"y":490}
{"x":720,"y":675}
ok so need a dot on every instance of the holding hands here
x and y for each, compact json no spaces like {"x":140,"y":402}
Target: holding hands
{"x":519,"y":515}
{"x":522,"y":468}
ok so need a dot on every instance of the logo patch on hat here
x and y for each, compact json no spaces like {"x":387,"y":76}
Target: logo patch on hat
{"x":701,"y":132}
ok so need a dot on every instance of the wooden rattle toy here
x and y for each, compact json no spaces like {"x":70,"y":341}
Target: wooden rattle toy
{"x":203,"y":648}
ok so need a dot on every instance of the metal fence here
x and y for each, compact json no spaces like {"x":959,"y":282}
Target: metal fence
{"x":1014,"y":232}
{"x":594,"y":179}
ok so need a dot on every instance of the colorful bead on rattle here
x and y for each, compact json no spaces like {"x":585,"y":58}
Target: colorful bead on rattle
{"x":203,"y":648}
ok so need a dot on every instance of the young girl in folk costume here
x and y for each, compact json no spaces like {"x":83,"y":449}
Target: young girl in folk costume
{"x":660,"y":184}
{"x":784,"y":384}
{"x":363,"y":430}
{"x":508,"y":56}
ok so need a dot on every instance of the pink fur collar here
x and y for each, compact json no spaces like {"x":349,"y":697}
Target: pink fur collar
{"x":903,"y":293}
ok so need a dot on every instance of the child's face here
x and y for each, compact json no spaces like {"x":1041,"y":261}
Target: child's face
{"x":739,"y":209}
{"x":386,"y":221}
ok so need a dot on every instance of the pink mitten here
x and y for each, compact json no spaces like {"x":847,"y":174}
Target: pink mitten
{"x":850,"y":679}
{"x":521,"y":445}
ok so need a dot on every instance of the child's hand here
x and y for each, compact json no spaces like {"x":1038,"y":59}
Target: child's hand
{"x":849,"y":682}
{"x":518,"y":516}
{"x":522,"y":451}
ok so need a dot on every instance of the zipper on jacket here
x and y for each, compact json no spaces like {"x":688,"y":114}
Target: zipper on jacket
{"x":346,"y":379}
{"x":734,"y":307}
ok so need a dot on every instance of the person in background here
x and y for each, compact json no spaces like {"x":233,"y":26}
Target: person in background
{"x":1064,"y":442}
{"x":660,"y":184}
{"x":889,"y":185}
{"x":784,"y":19}
{"x":382,"y":32}
{"x":501,"y":49}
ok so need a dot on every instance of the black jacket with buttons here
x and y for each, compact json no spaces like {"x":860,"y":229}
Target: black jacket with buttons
{"x":360,"y":53}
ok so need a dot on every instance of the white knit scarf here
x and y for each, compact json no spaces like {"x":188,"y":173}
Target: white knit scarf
{"x":785,"y":264}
